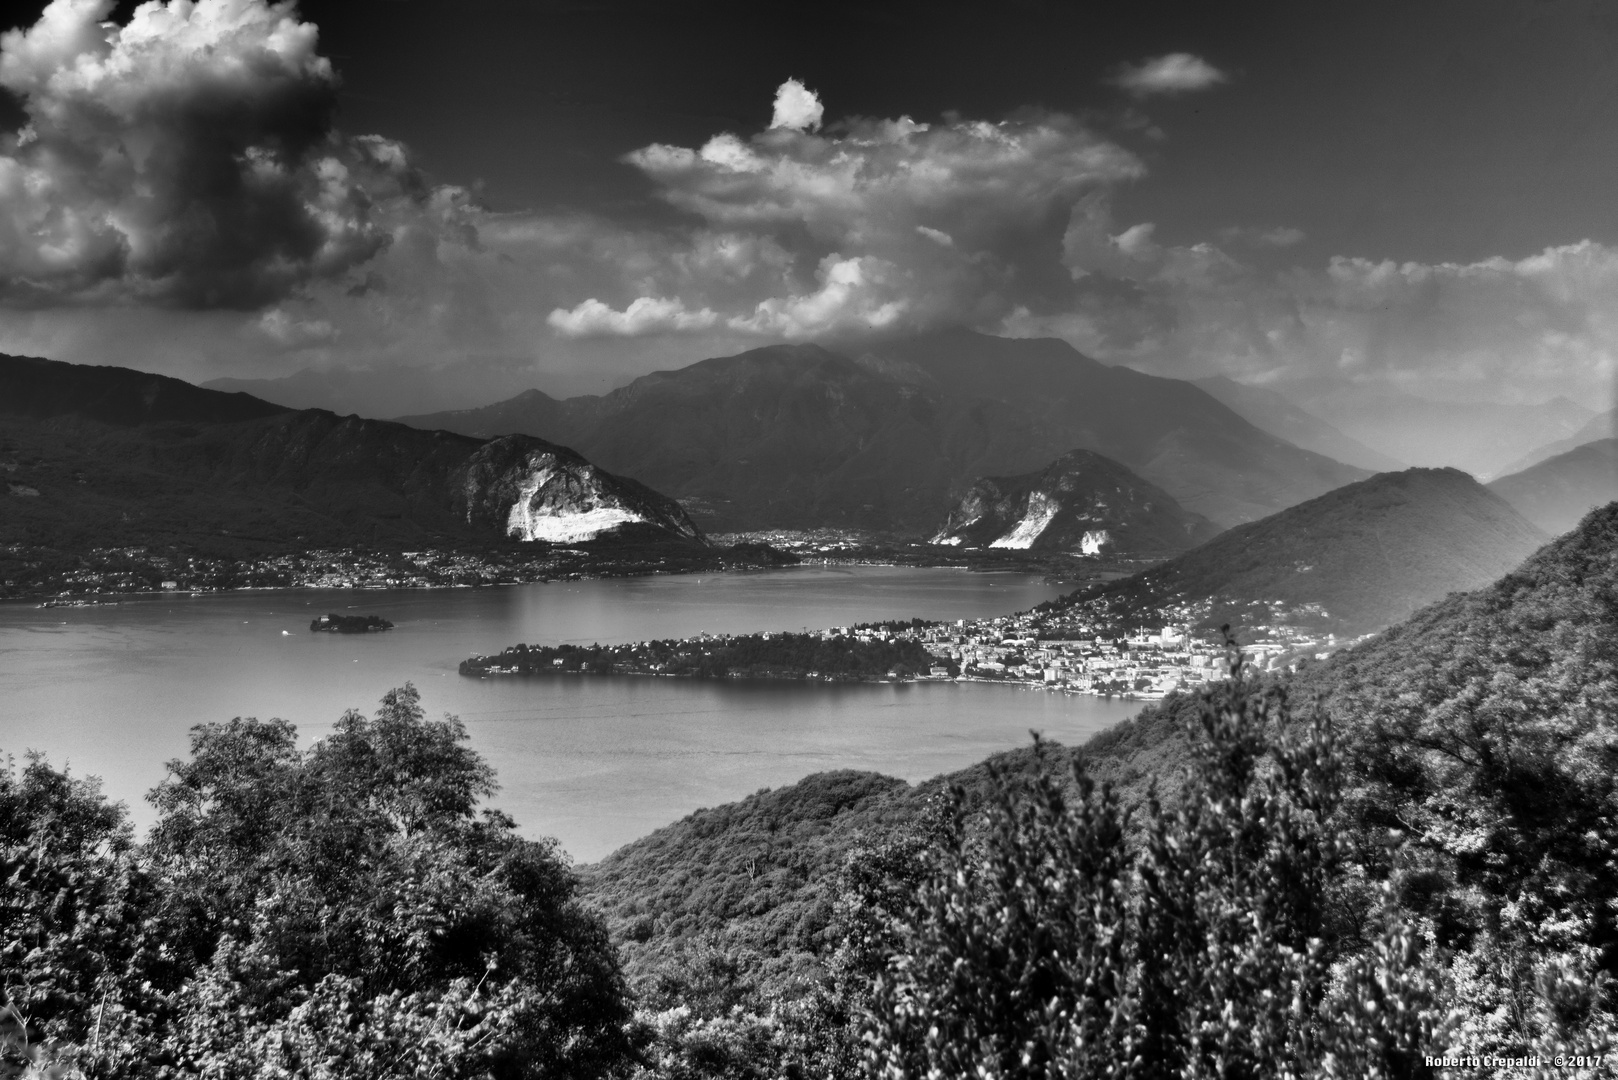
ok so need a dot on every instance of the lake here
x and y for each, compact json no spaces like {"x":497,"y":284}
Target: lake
{"x":114,"y":690}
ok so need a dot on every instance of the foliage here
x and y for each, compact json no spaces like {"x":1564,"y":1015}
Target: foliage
{"x":789,"y":656}
{"x":1038,"y":950}
{"x":336,"y":912}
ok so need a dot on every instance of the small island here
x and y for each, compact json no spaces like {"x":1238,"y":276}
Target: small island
{"x":350,"y":624}
{"x":830,"y":657}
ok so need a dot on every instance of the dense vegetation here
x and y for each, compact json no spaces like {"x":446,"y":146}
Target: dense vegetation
{"x":335,"y":912}
{"x":750,"y":656}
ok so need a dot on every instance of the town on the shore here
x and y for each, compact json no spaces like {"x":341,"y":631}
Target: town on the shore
{"x":1062,"y":648}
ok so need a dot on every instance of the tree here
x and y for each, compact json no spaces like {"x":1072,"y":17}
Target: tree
{"x":1040,"y":949}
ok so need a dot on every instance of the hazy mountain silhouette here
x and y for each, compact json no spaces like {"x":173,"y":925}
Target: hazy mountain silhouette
{"x":801,"y":435}
{"x":1556,"y":493}
{"x":1277,"y":414}
{"x":1604,"y":426}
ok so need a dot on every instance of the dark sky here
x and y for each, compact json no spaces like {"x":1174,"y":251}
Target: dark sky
{"x":1411,"y":195}
{"x":1431,"y":131}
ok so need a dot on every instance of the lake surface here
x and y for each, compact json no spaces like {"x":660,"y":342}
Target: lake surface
{"x":114,"y":690}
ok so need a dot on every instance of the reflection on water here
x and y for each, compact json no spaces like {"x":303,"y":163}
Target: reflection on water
{"x":597,"y":762}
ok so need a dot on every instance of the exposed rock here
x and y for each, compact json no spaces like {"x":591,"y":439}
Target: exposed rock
{"x":1083,"y":503}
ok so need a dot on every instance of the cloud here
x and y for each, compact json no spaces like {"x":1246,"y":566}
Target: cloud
{"x":1492,"y":329}
{"x":644,"y":315}
{"x":852,"y":294}
{"x":288,"y":331}
{"x":869,"y":221}
{"x":1176,"y":73}
{"x":796,"y":107}
{"x":186,"y":158}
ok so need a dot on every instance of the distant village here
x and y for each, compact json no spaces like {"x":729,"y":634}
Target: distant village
{"x":1061,"y":651}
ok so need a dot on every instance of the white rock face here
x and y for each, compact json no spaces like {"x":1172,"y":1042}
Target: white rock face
{"x":1092,"y":541}
{"x":564,"y":507}
{"x":1041,"y":509}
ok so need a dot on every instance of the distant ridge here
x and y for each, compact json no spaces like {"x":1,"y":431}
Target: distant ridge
{"x":1277,"y":414}
{"x":1083,"y":503}
{"x":890,"y":435}
{"x":40,"y":388}
{"x":105,"y":456}
{"x":1354,"y":560}
{"x":1604,"y":426}
{"x":1559,"y":491}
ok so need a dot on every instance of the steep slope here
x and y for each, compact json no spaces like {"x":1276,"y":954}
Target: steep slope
{"x":1278,"y":415}
{"x":1556,"y":493}
{"x":800,"y":435}
{"x":100,"y":456}
{"x":1081,"y":502}
{"x":1352,"y":561}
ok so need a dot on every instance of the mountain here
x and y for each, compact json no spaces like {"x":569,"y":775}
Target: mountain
{"x":799,"y":436}
{"x":1480,"y":437}
{"x":1081,"y":502}
{"x":1604,"y":426}
{"x":391,"y":391}
{"x":1556,"y":493}
{"x":1278,"y":415}
{"x":1353,"y":560}
{"x":106,"y":457}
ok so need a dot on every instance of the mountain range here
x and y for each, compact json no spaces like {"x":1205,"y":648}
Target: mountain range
{"x":105,"y":456}
{"x":1081,"y":503}
{"x":889,"y":437}
{"x":1555,"y":493}
{"x":1482,"y":438}
{"x":1602,"y":426}
{"x":1354,"y":560}
{"x":1277,"y":414}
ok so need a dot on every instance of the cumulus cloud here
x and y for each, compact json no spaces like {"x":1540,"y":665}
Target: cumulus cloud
{"x":1176,"y":73}
{"x":185,"y":158}
{"x":797,"y":108}
{"x":853,"y":294}
{"x":644,"y":315}
{"x":865,"y":223}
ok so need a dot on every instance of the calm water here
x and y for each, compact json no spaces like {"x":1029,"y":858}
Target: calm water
{"x":114,"y":690}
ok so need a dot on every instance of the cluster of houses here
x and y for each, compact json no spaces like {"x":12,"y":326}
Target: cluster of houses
{"x":1025,"y":648}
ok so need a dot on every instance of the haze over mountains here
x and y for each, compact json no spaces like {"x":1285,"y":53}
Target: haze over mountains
{"x":1556,"y":493}
{"x":1351,"y":561}
{"x":801,"y":435}
{"x":106,"y":456}
{"x":1483,"y":438}
{"x":1270,"y":411}
{"x":1602,"y":426}
{"x":1082,"y":503}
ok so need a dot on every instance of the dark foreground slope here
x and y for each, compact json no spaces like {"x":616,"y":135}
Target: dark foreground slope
{"x":101,"y":458}
{"x":890,"y":438}
{"x":1352,"y":561}
{"x":1554,"y":494}
{"x":1082,"y":503}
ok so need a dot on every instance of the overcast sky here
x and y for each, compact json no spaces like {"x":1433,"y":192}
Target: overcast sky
{"x":1414,"y":197}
